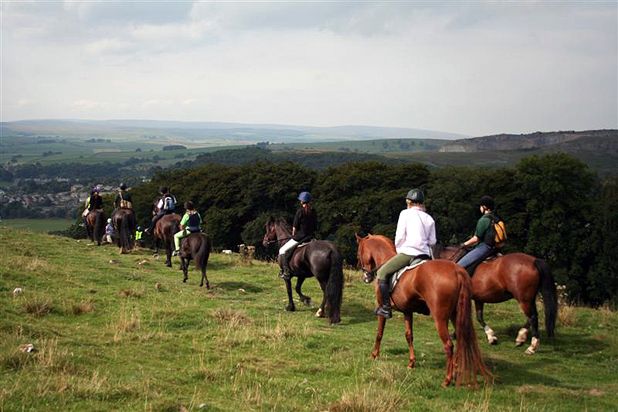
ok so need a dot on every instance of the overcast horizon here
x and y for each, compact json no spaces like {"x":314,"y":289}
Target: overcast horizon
{"x":476,"y":69}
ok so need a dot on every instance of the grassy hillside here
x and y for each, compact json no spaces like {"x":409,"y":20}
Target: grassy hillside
{"x":123,"y":332}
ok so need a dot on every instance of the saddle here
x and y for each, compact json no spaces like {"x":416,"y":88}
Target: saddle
{"x":472,"y":268}
{"x":417,"y":261}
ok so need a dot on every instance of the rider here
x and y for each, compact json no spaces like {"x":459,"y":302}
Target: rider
{"x":138,"y":236}
{"x":415,"y":235}
{"x":190,"y":223}
{"x":109,"y":231}
{"x":483,"y":237}
{"x":93,"y":202}
{"x":303,"y":228}
{"x":123,"y":198}
{"x":165,"y":206}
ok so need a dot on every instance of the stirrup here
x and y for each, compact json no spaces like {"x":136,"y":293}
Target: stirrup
{"x":380,"y":311}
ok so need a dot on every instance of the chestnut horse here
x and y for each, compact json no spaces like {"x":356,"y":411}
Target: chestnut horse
{"x":95,"y":225}
{"x":124,"y":222}
{"x":196,"y":246}
{"x":164,"y":231}
{"x":318,"y":258}
{"x":515,"y":275}
{"x":437,"y":287}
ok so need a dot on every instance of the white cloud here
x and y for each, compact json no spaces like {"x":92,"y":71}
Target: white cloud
{"x":472,"y":69}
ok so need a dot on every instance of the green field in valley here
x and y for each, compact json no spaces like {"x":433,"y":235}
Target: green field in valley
{"x":37,"y":225}
{"x":122,"y":332}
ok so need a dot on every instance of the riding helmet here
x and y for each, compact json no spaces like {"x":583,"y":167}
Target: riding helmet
{"x":163,"y":190}
{"x":123,"y":186}
{"x":109,"y":220}
{"x":488,"y":202}
{"x":304,"y":197}
{"x":416,"y":196}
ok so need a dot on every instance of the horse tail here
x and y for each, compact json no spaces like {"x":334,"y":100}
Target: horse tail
{"x":468,"y":359}
{"x":334,"y":287}
{"x":201,"y":257}
{"x":125,"y":232}
{"x":550,"y":296}
{"x":99,"y":226}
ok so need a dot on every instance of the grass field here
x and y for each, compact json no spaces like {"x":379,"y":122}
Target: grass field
{"x":122,"y":332}
{"x":37,"y":225}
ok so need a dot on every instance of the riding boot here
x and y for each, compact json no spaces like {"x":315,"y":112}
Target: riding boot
{"x":284,"y":261}
{"x":385,"y":309}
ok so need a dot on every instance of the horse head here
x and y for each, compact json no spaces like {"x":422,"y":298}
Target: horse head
{"x":365,"y":259}
{"x":270,"y":236}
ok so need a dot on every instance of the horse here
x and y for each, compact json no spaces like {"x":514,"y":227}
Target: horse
{"x":124,"y":222}
{"x":319,"y":258}
{"x":95,"y":225}
{"x":195,"y":246}
{"x":164,"y":231}
{"x":512,"y":276}
{"x":438,"y":288}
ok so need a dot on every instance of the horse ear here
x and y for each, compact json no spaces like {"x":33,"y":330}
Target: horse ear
{"x":358,"y":238}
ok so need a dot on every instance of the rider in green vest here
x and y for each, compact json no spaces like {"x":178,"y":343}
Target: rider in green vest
{"x":190,"y":223}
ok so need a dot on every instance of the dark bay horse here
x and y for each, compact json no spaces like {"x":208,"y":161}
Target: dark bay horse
{"x":196,"y":246}
{"x":318,"y":258}
{"x":164,"y":231}
{"x":124,"y":222}
{"x":95,"y":225}
{"x":438,"y":288}
{"x":513,"y":276}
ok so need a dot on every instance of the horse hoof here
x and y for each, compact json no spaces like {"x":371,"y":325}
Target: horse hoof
{"x":290,"y":308}
{"x":307,"y":301}
{"x":319,"y":313}
{"x":412,"y":364}
{"x":185,"y":281}
{"x":493,"y":341}
{"x":169,"y":265}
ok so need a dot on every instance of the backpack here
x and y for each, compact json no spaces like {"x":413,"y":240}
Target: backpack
{"x":124,"y":204}
{"x":499,"y":228}
{"x":169,"y":203}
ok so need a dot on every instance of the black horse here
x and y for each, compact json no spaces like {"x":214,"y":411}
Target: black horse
{"x":196,"y":246}
{"x":317,"y":258}
{"x":95,"y":225}
{"x":124,"y":222}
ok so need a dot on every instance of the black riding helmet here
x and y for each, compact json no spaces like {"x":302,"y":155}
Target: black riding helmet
{"x":123,"y":186}
{"x":416,"y":196}
{"x":488,"y":202}
{"x":163,"y":190}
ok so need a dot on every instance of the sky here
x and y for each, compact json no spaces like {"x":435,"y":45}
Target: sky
{"x":475,"y":68}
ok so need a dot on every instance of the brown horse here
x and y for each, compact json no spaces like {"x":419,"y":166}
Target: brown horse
{"x":124,"y":222}
{"x":318,"y":258}
{"x":196,"y":246}
{"x":513,"y":276}
{"x":95,"y":225}
{"x":164,"y":231}
{"x":437,"y":287}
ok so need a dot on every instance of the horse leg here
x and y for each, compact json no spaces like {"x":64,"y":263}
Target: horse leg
{"x":321,"y":312}
{"x":204,"y":278}
{"x":442,"y":328}
{"x":299,"y":283}
{"x":168,"y":254}
{"x":376,"y":347}
{"x":407,"y":316}
{"x":288,"y":286}
{"x":184,"y":265}
{"x":533,"y":320}
{"x":492,"y":339}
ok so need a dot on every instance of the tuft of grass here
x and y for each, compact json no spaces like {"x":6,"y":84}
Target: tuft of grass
{"x":231,"y":318}
{"x":567,"y":315}
{"x":126,"y":323}
{"x":131,"y":293}
{"x":38,"y":306}
{"x":369,"y":399}
{"x":85,"y":306}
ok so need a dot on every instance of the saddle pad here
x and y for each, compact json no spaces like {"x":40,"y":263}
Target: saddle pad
{"x":397,"y":275}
